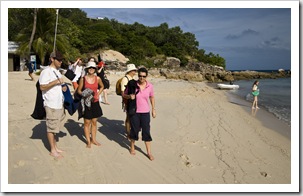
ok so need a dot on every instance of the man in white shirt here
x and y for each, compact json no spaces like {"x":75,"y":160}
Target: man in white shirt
{"x":50,"y":84}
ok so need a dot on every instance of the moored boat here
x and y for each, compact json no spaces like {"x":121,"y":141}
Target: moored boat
{"x":227,"y":86}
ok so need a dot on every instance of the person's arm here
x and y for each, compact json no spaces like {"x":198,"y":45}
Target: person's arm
{"x":45,"y":87}
{"x":100,"y":83}
{"x":79,"y":89}
{"x":123,"y":83}
{"x":99,"y":70}
{"x":152,"y":102}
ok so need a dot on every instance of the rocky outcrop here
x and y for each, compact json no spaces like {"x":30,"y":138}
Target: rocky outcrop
{"x":193,"y":71}
{"x":244,"y":75}
{"x":198,"y":71}
{"x":172,"y":63}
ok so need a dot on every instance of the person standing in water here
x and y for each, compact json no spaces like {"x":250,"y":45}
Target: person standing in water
{"x":255,"y":93}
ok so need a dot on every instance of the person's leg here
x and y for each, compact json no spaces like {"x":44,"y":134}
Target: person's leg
{"x":146,"y":137}
{"x":53,"y":146}
{"x":105,"y":96}
{"x":132,"y":147}
{"x":94,"y":132}
{"x":127,"y":126}
{"x":30,"y":73}
{"x":256,"y":102}
{"x":87,"y":126}
{"x":61,"y":116}
{"x":134,"y":132}
{"x":148,"y":149}
{"x":53,"y":117}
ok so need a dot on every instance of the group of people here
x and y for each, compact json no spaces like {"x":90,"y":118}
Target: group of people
{"x":90,"y":86}
{"x":78,"y":68}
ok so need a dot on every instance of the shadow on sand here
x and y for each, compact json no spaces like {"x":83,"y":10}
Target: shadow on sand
{"x":114,"y":130}
{"x":39,"y":132}
{"x":75,"y":128}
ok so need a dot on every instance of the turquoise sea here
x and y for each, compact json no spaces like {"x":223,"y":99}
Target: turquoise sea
{"x":275,"y":96}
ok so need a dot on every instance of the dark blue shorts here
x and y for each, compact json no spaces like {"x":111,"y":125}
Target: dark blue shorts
{"x":140,"y":121}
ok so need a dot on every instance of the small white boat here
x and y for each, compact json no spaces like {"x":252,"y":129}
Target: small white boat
{"x":227,"y":86}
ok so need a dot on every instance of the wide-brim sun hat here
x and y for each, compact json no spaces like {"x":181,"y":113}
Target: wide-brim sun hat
{"x":130,"y":67}
{"x":91,"y":64}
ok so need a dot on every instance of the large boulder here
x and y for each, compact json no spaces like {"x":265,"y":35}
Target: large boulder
{"x":172,"y":62}
{"x":113,"y":56}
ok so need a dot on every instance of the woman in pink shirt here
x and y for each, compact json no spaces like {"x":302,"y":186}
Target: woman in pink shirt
{"x":141,"y":119}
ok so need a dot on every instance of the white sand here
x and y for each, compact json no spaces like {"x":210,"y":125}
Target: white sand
{"x":199,"y":137}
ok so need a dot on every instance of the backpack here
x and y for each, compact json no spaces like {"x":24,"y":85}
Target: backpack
{"x":118,"y":86}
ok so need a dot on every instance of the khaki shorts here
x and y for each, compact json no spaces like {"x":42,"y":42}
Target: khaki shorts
{"x":54,"y":117}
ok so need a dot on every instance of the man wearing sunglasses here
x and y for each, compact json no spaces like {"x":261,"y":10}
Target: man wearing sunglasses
{"x":50,"y":84}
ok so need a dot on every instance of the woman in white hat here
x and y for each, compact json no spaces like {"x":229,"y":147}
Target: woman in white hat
{"x":130,"y":74}
{"x":93,"y":82}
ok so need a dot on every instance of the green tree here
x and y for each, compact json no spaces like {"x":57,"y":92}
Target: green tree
{"x":44,"y":36}
{"x":18,"y":19}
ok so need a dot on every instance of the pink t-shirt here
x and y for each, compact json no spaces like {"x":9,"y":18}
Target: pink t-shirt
{"x":142,"y":98}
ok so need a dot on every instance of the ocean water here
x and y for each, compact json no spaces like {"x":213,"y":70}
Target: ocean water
{"x":275,"y":96}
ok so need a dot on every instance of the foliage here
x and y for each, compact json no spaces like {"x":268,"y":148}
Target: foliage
{"x":78,"y":35}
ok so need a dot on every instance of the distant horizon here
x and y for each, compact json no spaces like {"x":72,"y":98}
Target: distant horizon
{"x":257,"y":69}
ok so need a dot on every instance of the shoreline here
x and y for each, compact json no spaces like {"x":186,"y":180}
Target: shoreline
{"x":263,"y":115}
{"x":199,"y":137}
{"x":267,"y":118}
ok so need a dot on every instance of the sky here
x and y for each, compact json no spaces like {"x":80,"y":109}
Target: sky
{"x":247,"y":38}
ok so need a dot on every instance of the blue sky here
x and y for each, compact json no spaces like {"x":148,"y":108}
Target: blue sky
{"x":248,"y":38}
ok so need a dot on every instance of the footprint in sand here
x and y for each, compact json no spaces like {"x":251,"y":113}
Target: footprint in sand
{"x":186,"y":161}
{"x":20,"y":163}
{"x":19,"y":146}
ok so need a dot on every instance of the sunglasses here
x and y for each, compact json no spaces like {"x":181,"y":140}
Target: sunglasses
{"x":140,"y":76}
{"x":59,"y":60}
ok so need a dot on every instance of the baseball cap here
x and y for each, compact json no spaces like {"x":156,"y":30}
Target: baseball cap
{"x":57,"y":55}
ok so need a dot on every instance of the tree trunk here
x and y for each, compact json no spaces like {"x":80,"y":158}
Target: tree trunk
{"x":33,"y":32}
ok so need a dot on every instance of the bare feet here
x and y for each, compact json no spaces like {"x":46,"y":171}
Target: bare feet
{"x":132,"y":152}
{"x":58,"y":150}
{"x":88,"y":145}
{"x":56,"y":155}
{"x":151,"y":157}
{"x":96,"y":143}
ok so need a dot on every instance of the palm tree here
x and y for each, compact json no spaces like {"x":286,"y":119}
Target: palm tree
{"x":42,"y":35}
{"x":33,"y":31}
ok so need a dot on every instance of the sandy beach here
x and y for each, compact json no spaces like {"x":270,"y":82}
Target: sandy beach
{"x":199,"y":136}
